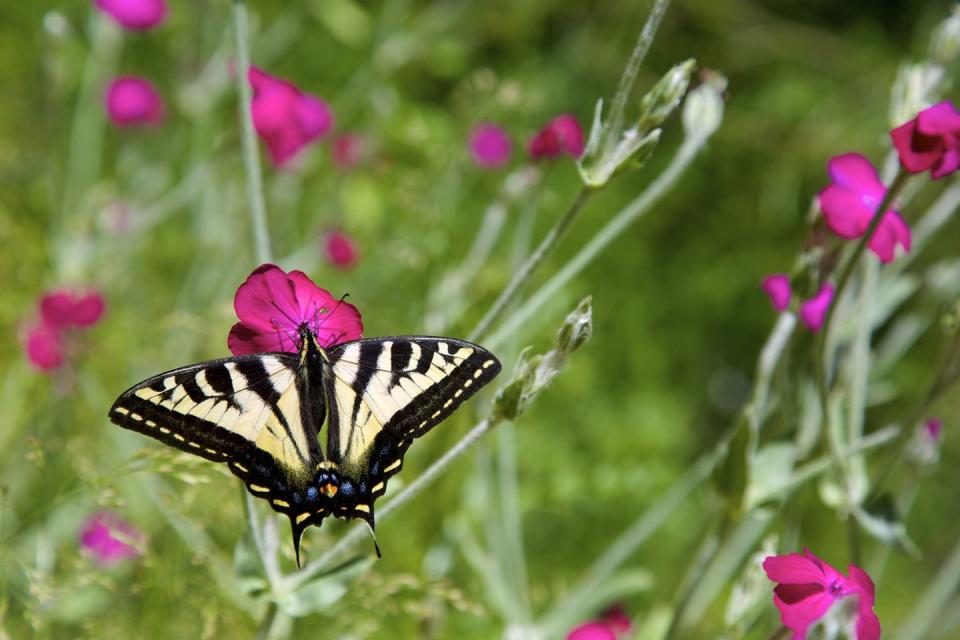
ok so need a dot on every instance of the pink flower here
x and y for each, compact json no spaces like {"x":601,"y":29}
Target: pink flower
{"x":110,"y":540}
{"x":347,"y":151}
{"x":561,"y":135}
{"x":930,"y":141}
{"x":814,"y":310}
{"x":340,"y":249}
{"x":613,"y":624}
{"x":934,"y":428}
{"x":490,"y":146}
{"x":272,"y":306}
{"x":135,"y":14}
{"x":44,"y":346}
{"x":285,"y":117}
{"x":851,"y":200}
{"x":62,"y":308}
{"x":132,"y":101}
{"x":60,"y":311}
{"x":777,"y":286}
{"x":807,"y":587}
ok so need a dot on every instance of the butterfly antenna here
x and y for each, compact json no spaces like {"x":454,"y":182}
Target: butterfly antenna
{"x":319,"y":323}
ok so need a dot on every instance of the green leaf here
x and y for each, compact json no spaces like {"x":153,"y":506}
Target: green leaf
{"x":731,"y":477}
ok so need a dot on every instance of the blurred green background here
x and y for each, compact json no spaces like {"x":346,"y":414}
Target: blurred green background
{"x":679,"y":317}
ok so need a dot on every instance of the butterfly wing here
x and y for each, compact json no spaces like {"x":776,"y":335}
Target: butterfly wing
{"x":384,"y":392}
{"x":247,"y":411}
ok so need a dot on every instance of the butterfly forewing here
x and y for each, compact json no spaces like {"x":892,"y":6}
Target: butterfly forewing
{"x":225,"y":409}
{"x":398,"y":388}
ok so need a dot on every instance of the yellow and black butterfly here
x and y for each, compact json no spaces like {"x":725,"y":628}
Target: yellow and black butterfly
{"x":262,"y":415}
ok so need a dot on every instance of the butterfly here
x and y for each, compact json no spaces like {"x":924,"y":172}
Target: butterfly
{"x":263,"y":415}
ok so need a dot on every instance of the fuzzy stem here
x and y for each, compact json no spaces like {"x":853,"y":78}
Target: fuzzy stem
{"x":613,"y":230}
{"x":527,"y":268}
{"x":251,"y":159}
{"x":823,"y":364}
{"x":644,"y":40}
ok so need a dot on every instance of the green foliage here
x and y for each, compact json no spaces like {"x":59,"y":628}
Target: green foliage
{"x":600,"y":491}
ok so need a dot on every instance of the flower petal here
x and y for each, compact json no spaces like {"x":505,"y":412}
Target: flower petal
{"x":854,"y":172}
{"x":135,"y":14}
{"x":266,"y":300}
{"x":845,"y":212}
{"x":916,"y":155}
{"x":949,"y":163}
{"x":940,"y":119}
{"x":56,"y":309}
{"x":793,"y":568}
{"x":44,"y":347}
{"x":891,"y":231}
{"x":490,"y":146}
{"x":332,"y":321}
{"x":88,"y":309}
{"x":777,"y":286}
{"x":593,"y":630}
{"x":814,"y":311}
{"x":800,"y":616}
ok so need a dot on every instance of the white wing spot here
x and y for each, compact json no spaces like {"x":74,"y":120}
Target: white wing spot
{"x":467,"y":383}
{"x":194,"y":445}
{"x":447,"y":403}
{"x":458,"y":393}
{"x":121,"y":411}
{"x":488,"y":364}
{"x":435,"y":414}
{"x":164,"y":430}
{"x":136,"y":416}
{"x":150,"y":423}
{"x":258,"y":488}
{"x":478,"y":373}
{"x":302,"y":517}
{"x":179,"y":437}
{"x":393,"y":465}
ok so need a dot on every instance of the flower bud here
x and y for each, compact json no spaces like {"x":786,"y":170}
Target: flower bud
{"x":914,"y":90}
{"x":659,"y":103}
{"x":703,"y":108}
{"x":945,"y":44}
{"x":576,"y":328}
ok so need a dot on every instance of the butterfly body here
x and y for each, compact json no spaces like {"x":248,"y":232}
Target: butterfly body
{"x":264,"y":415}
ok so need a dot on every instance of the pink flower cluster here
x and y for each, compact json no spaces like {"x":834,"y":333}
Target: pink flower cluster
{"x":60,"y":312}
{"x":490,"y":146}
{"x":929,"y":142}
{"x":137,"y":15}
{"x":807,"y":588}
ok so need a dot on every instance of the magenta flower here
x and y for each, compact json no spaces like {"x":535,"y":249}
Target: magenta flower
{"x":62,"y":308}
{"x":490,"y":146}
{"x":340,"y":249}
{"x":110,"y":540}
{"x":561,"y":135}
{"x":934,"y":428}
{"x":613,"y":624}
{"x":814,"y":311}
{"x":851,"y":200}
{"x":807,"y":587}
{"x":285,"y":117}
{"x":930,"y":141}
{"x":777,"y":286}
{"x":44,"y":346}
{"x":132,"y":101}
{"x":272,"y":305}
{"x":60,"y":311}
{"x":347,"y":151}
{"x":138,"y":15}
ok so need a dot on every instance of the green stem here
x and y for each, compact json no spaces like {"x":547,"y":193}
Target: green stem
{"x":266,"y":624}
{"x":251,"y":159}
{"x":611,"y":231}
{"x":823,"y":364}
{"x":644,"y":40}
{"x":527,"y":268}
